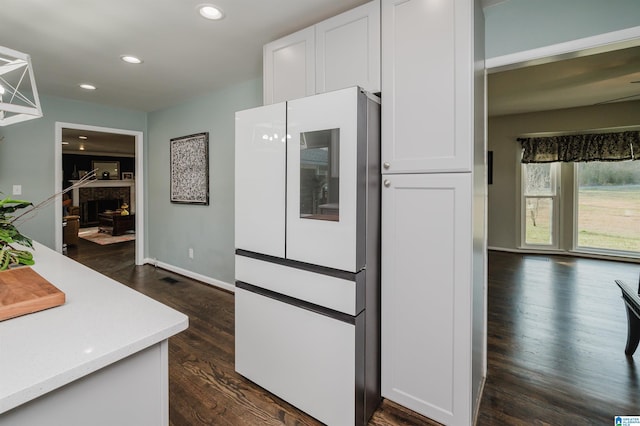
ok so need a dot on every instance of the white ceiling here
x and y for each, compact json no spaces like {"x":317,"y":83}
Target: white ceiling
{"x":587,"y":80}
{"x":97,"y":143}
{"x":81,"y":41}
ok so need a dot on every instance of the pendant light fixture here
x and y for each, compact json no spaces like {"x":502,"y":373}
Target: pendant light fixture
{"x":19,"y":99}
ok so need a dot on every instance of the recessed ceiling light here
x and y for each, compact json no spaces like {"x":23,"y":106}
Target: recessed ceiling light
{"x":210,"y":11}
{"x":65,"y":143}
{"x":131,"y":59}
{"x":82,"y":137}
{"x":88,"y":86}
{"x":81,"y":148}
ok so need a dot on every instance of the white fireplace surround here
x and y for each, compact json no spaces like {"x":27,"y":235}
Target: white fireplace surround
{"x":108,"y":183}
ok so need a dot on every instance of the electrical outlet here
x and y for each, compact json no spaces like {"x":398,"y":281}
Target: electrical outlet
{"x":17,"y":189}
{"x":190,"y":253}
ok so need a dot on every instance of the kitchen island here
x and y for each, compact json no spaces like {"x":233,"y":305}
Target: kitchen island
{"x":99,"y":359}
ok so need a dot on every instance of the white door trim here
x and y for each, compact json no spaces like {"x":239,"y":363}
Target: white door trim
{"x":139,"y":183}
{"x":606,"y":42}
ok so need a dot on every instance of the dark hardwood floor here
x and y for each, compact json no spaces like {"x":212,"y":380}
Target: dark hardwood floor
{"x":556,"y":337}
{"x":557,"y":330}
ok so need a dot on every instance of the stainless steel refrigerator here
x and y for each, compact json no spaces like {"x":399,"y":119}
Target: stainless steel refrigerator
{"x":307,"y":236}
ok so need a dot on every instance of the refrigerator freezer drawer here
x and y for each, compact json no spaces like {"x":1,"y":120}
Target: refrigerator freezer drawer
{"x":340,"y":294}
{"x":305,"y":358}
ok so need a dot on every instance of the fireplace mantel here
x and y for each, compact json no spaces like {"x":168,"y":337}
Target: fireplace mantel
{"x":107,"y":183}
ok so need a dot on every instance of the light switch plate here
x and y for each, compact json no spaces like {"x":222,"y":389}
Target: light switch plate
{"x":17,"y":189}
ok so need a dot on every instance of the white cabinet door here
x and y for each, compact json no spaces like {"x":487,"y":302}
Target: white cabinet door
{"x":322,"y":166}
{"x":426,"y":294}
{"x":427,"y":70}
{"x":348,"y":50}
{"x":260,"y":179}
{"x":289,"y":67}
{"x":339,"y":52}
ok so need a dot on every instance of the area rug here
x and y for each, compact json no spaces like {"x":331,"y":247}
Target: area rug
{"x":102,"y":238}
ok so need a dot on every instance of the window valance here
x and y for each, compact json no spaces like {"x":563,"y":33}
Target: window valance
{"x":589,"y":147}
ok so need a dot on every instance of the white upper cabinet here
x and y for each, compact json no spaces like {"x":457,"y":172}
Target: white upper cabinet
{"x":289,"y":68}
{"x":337,"y":53}
{"x":260,"y":179}
{"x":427,"y":71}
{"x":348,"y":50}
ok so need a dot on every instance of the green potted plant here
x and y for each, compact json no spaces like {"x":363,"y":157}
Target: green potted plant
{"x":10,"y":237}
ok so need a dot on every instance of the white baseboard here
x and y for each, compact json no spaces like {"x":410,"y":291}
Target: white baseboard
{"x":588,"y":255}
{"x":476,"y":412}
{"x":190,"y":274}
{"x":527,"y":251}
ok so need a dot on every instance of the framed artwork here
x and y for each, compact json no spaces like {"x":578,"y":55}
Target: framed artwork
{"x":190,"y":169}
{"x":127,"y":175}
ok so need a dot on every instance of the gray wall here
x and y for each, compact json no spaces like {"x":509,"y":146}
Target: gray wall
{"x":27,"y":159}
{"x":502,"y":133}
{"x":209,"y":230}
{"x":519,"y":25}
{"x":27,"y":154}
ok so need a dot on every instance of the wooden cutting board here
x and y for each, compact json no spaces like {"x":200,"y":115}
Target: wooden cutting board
{"x":24,"y":291}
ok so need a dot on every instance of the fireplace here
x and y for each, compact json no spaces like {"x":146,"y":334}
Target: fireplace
{"x":89,"y":210}
{"x":97,"y":200}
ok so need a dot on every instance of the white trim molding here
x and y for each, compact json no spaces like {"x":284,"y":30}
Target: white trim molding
{"x":190,"y":274}
{"x":571,"y":253}
{"x":629,"y":37}
{"x":139,"y":182}
{"x":488,"y":3}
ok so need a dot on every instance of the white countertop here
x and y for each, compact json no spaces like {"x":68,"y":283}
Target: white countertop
{"x":101,"y":322}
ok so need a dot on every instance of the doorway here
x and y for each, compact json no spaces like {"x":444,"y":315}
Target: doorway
{"x":129,"y":190}
{"x":583,"y":86}
{"x":504,"y":227}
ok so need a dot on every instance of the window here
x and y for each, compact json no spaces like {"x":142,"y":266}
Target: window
{"x":600,"y":207}
{"x":540,"y":204}
{"x":608,"y":206}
